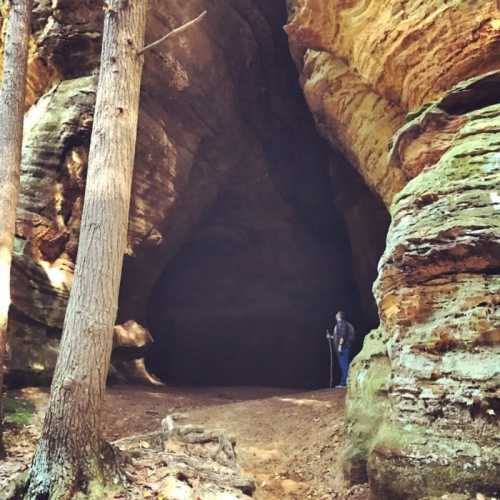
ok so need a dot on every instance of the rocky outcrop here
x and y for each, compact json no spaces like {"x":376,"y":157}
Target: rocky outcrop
{"x":424,"y":393}
{"x":361,"y":87}
{"x":438,"y":293}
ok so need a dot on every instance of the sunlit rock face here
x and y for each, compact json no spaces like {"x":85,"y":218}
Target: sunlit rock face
{"x":365,"y":65}
{"x":439,"y":293}
{"x":235,"y":228}
{"x":408,"y":91}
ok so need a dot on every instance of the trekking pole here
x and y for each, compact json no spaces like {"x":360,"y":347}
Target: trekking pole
{"x":329,"y":337}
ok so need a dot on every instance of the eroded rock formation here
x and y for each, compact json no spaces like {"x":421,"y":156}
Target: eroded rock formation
{"x":424,"y":396}
{"x":233,"y":214}
{"x":239,"y":212}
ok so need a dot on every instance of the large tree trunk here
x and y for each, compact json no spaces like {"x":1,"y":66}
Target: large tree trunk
{"x":71,"y":453}
{"x":12,"y":95}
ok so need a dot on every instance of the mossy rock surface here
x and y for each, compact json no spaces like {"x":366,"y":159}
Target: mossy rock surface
{"x":366,"y":405}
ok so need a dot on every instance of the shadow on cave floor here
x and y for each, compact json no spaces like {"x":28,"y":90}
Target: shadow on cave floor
{"x":250,"y":315}
{"x":253,"y":310}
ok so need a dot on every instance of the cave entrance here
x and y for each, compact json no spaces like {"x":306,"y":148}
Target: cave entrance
{"x":247,"y":299}
{"x":292,"y":236}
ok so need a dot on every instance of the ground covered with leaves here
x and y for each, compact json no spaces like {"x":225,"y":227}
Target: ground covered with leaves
{"x":217,"y":443}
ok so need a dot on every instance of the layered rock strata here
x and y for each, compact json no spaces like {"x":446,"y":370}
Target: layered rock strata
{"x":424,"y":396}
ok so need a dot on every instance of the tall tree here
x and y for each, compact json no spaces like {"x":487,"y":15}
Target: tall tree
{"x":12,"y":97}
{"x":71,"y":454}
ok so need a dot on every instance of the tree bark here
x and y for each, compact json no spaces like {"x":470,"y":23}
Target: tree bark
{"x":12,"y":98}
{"x":71,"y":455}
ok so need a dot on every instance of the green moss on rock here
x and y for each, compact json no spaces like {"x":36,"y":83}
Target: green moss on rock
{"x":366,"y":404}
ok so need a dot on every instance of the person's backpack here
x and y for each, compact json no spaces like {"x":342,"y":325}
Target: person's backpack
{"x":351,"y":334}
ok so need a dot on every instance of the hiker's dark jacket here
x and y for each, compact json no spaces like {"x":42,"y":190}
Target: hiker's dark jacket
{"x":344,"y":330}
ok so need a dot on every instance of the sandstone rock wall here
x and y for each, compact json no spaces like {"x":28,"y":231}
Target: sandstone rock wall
{"x":365,"y":65}
{"x":439,"y":293}
{"x":424,"y":396}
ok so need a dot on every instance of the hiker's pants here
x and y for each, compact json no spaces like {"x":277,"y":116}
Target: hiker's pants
{"x":343,"y":357}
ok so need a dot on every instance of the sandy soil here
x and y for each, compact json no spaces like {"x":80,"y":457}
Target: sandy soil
{"x":288,"y":441}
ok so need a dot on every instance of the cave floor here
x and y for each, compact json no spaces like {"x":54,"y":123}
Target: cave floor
{"x":289,"y":441}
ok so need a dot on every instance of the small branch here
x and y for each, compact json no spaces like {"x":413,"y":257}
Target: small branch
{"x":174,"y":32}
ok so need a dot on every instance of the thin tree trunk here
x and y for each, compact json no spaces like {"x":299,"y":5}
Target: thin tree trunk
{"x":71,"y":455}
{"x":12,"y":97}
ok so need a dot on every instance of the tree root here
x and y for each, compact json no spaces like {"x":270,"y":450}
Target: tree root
{"x":180,"y":459}
{"x":191,"y":469}
{"x":188,"y":458}
{"x":93,"y":477}
{"x":195,"y":434}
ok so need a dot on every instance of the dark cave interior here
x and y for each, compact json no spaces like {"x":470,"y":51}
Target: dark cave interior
{"x":293,"y":236}
{"x":248,"y":299}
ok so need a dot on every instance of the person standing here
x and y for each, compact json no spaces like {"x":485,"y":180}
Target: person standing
{"x":343,"y":339}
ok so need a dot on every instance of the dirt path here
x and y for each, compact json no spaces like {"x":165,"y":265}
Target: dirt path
{"x":288,"y":441}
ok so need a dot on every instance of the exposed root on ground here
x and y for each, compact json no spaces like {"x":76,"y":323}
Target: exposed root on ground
{"x":184,"y":461}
